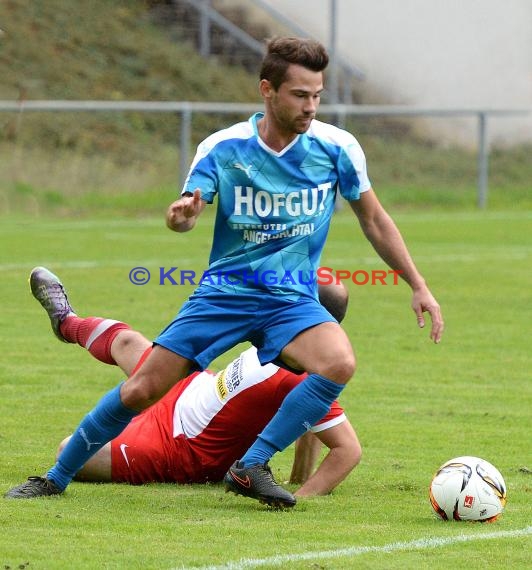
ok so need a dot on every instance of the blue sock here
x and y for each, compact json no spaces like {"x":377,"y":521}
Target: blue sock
{"x":306,"y":404}
{"x":107,"y":420}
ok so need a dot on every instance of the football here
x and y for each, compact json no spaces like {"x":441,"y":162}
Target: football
{"x":468,"y":489}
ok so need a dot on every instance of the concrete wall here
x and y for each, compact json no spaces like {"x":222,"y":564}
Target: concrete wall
{"x":449,"y":53}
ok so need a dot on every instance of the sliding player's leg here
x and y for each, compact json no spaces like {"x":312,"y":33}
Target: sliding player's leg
{"x":107,"y":340}
{"x":159,"y":371}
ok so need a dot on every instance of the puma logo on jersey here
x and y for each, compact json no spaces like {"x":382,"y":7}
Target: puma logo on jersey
{"x":246,"y":169}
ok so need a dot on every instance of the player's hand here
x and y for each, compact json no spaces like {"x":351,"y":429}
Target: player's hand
{"x":181,"y":215}
{"x":423,"y":301}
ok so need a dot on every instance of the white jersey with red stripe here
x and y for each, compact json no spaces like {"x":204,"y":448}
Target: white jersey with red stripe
{"x":206,"y":395}
{"x":205,"y":423}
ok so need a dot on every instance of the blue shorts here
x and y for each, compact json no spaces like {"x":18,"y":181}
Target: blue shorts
{"x":209,"y":324}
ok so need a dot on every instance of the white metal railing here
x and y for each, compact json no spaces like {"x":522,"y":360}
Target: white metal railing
{"x":209,"y":15}
{"x":187,"y":108}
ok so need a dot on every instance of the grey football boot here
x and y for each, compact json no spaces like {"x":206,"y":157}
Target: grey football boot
{"x":49,"y":291}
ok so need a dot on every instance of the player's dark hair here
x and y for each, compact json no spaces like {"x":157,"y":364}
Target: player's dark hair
{"x":281,"y":52}
{"x":334,"y":298}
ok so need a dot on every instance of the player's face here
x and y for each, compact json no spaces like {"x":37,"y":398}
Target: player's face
{"x":294,"y":104}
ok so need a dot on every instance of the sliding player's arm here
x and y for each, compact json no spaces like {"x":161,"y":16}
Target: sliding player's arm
{"x":343,"y":456}
{"x":307,"y":452}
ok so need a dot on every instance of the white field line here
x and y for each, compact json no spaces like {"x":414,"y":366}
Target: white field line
{"x":79,"y":225}
{"x":151,"y":264}
{"x":422,"y":217}
{"x":158,"y":222}
{"x":419,"y":544}
{"x":509,"y":253}
{"x":513,"y":254}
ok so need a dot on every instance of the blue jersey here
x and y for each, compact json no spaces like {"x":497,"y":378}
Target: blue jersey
{"x":274,"y":208}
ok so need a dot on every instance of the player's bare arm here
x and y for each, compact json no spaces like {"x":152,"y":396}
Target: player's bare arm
{"x":385,"y":237}
{"x":182,"y":214}
{"x":343,"y":456}
{"x":307,"y":452}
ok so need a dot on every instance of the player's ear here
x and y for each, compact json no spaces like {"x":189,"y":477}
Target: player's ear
{"x":265,"y":88}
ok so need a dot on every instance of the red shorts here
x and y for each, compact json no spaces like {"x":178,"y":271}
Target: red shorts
{"x":204,"y":424}
{"x":147,"y":452}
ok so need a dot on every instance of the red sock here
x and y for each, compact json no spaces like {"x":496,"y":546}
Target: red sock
{"x":93,"y":333}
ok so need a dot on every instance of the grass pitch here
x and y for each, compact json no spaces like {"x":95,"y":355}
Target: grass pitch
{"x":413,"y":404}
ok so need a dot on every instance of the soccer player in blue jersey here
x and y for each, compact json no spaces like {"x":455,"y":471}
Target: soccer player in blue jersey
{"x":276,"y":178}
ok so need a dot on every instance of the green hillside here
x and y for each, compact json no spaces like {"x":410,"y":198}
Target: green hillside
{"x":103,"y":49}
